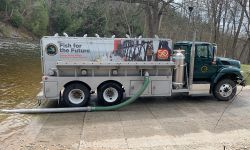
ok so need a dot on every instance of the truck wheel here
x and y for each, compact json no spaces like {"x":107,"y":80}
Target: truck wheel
{"x":110,"y":94}
{"x":76,"y":95}
{"x":225,"y":90}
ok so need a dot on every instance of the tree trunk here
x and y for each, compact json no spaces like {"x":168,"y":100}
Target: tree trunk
{"x":126,"y":21}
{"x":224,"y":24}
{"x":243,"y":51}
{"x":228,"y":38}
{"x":235,"y":40}
{"x":152,"y":21}
{"x":218,"y":20}
{"x":149,"y":30}
{"x":214,"y":14}
{"x":6,"y":10}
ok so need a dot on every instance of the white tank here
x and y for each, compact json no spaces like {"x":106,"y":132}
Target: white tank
{"x":178,"y":78}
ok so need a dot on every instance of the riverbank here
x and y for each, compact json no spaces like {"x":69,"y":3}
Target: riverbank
{"x":19,"y":44}
{"x":9,"y":32}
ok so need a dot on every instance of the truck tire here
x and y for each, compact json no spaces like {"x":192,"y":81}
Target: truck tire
{"x":110,"y":94}
{"x":76,"y":95}
{"x":225,"y":90}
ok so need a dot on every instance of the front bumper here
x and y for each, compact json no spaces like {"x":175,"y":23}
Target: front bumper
{"x":242,"y":83}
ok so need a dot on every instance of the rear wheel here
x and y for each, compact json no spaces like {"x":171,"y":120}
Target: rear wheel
{"x":110,"y":94}
{"x":225,"y":90}
{"x":76,"y":95}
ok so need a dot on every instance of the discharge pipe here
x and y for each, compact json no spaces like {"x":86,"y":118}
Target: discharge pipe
{"x":83,"y":109}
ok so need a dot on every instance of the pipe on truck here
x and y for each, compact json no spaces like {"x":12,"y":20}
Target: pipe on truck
{"x":191,"y":67}
{"x":83,"y":109}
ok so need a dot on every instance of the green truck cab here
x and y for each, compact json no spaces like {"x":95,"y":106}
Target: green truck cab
{"x":223,"y":74}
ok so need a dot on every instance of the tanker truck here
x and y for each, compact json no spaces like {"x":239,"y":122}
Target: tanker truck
{"x":74,"y":68}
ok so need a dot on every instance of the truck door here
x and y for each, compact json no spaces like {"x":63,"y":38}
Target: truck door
{"x":204,"y":69}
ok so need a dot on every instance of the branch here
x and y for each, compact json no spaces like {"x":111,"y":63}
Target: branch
{"x":243,"y":4}
{"x":146,"y":2}
{"x":165,"y":3}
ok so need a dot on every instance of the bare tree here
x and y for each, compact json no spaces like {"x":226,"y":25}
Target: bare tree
{"x":246,"y":8}
{"x":153,"y":10}
{"x":236,"y":35}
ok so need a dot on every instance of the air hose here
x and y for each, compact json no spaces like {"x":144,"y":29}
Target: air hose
{"x":84,"y":109}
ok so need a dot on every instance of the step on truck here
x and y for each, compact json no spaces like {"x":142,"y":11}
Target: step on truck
{"x":74,"y":68}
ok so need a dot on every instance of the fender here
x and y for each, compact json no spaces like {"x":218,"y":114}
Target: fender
{"x":226,"y":71}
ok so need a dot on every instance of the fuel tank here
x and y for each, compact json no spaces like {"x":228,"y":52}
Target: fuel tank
{"x":178,"y":78}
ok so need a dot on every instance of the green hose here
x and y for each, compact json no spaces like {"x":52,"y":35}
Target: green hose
{"x":127,"y":102}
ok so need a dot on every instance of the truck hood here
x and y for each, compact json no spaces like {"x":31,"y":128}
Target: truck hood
{"x":228,"y":62}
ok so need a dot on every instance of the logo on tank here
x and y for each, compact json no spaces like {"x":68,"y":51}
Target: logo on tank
{"x":51,"y":49}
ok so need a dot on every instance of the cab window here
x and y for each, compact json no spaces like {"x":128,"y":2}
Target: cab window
{"x":203,"y":51}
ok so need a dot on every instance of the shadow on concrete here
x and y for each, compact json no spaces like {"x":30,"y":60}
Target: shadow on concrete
{"x":149,"y":116}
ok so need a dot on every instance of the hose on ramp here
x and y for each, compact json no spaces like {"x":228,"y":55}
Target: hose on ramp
{"x":84,"y":109}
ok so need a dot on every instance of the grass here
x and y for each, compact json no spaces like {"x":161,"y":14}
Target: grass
{"x":246,"y":68}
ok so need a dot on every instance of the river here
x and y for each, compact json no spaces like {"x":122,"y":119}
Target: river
{"x":20,"y":73}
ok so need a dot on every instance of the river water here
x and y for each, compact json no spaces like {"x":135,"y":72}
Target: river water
{"x":20,"y":73}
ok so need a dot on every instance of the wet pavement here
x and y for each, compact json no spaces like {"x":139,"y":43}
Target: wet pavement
{"x":179,"y":122}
